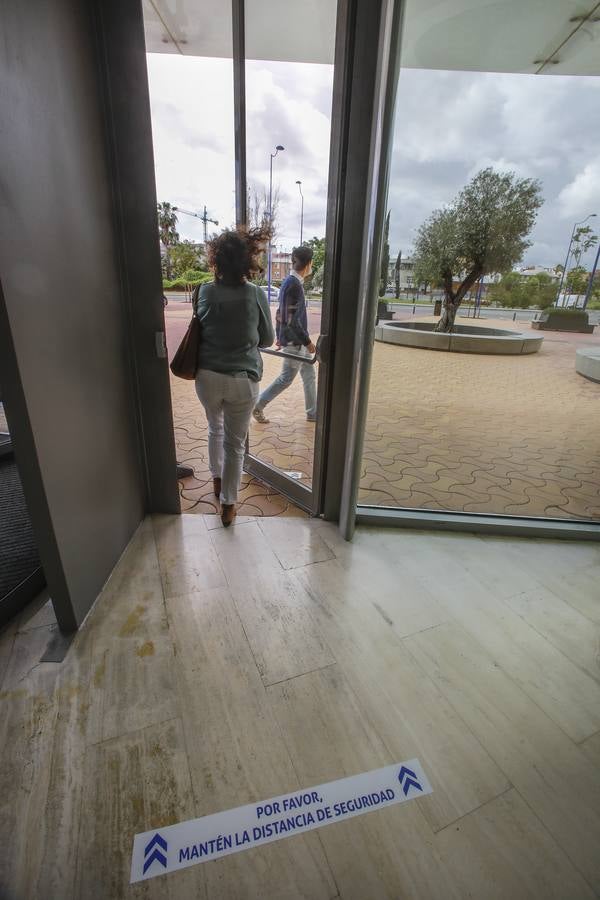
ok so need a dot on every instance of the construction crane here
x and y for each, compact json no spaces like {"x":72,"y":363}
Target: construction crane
{"x":203,"y":218}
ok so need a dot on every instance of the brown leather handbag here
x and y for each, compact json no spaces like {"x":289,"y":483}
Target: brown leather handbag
{"x":185,"y":362}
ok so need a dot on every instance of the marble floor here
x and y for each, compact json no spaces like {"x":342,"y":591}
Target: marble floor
{"x":222,"y":667}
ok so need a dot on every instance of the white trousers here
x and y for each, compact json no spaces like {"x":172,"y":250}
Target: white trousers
{"x":228,"y":401}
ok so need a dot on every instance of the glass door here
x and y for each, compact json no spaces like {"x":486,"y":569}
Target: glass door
{"x":481,"y":406}
{"x":289,"y":68}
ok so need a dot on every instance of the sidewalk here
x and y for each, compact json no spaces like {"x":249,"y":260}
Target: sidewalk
{"x":514,"y":435}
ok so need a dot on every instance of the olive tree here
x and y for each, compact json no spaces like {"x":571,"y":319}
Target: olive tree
{"x":484,"y":230}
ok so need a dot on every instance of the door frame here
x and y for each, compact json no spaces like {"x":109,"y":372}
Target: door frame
{"x":365,"y":77}
{"x":308,"y":498}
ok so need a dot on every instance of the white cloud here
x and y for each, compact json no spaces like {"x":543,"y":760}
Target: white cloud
{"x":281,"y":109}
{"x":581,"y":196}
{"x":451,"y":124}
{"x":191,"y":101}
{"x":192,"y":123}
{"x":448,"y":126}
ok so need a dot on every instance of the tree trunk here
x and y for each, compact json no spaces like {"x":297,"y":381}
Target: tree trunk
{"x":446,"y":323}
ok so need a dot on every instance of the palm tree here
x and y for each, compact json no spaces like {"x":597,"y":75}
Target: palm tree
{"x":167,"y":222}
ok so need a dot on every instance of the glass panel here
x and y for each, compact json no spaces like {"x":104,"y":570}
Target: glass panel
{"x":289,"y":78}
{"x":190,"y":74}
{"x":495,"y":176}
{"x":5,"y":441}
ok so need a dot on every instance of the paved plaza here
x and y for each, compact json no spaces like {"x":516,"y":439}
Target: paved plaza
{"x":514,"y":435}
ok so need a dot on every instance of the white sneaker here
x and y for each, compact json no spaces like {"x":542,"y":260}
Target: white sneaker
{"x":259,"y":416}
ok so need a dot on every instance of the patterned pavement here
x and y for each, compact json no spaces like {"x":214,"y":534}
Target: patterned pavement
{"x":504,"y":435}
{"x":287,"y":442}
{"x":288,"y":445}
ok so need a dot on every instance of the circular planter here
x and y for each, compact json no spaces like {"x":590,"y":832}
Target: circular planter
{"x":464,"y":338}
{"x":587,"y":363}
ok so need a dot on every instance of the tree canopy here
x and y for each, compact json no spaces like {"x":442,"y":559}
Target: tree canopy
{"x":577,"y":281}
{"x":483,"y":230}
{"x":516,"y":290}
{"x":185,"y":256}
{"x":583,"y":239}
{"x":177,"y":257}
{"x":318,"y":261}
{"x":258,"y":208}
{"x":318,"y":249}
{"x":167,"y":224}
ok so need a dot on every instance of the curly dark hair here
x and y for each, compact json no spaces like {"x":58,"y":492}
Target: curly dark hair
{"x":235,"y":255}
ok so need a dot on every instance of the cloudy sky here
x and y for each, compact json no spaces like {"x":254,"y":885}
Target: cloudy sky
{"x":448,"y":126}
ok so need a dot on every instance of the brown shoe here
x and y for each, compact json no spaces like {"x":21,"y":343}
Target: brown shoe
{"x":217,"y":486}
{"x":228,"y":514}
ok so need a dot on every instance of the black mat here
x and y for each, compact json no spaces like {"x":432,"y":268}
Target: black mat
{"x":19,"y":557}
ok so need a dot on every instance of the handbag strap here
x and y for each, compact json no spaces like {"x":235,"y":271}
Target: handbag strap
{"x":195,"y":296}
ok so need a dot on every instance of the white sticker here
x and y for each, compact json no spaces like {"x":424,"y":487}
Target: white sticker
{"x":175,"y":847}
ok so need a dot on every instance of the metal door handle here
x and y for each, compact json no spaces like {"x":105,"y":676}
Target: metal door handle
{"x":309,"y":360}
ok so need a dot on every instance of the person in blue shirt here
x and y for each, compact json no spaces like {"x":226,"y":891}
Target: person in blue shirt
{"x":292,"y":333}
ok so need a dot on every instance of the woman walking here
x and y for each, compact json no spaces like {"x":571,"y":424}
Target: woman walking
{"x":235,"y":321}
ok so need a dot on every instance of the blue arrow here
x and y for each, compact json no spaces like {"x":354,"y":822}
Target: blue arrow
{"x":410,"y":783}
{"x":156,"y":855}
{"x":408,"y":779}
{"x":158,"y":839}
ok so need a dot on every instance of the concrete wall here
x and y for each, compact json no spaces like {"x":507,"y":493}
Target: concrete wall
{"x":68,"y":360}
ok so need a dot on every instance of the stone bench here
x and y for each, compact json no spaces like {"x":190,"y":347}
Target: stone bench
{"x":587,"y":363}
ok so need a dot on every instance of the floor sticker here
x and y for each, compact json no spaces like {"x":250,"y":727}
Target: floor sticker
{"x":164,"y":850}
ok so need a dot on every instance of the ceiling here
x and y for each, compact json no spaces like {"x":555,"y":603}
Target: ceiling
{"x":557,"y":37}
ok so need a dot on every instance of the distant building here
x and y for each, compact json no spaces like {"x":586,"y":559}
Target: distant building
{"x":281,"y":265}
{"x":408,"y":284}
{"x":528,"y":271}
{"x":407,"y":274}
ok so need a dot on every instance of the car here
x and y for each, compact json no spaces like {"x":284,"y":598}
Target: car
{"x":274,"y":293}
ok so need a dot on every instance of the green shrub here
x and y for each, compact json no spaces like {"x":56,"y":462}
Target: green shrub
{"x":564,"y":312}
{"x":517,"y":291}
{"x":189,"y":279}
{"x":194,"y":276}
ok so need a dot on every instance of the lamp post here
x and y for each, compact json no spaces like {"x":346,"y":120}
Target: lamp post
{"x":299,"y":183}
{"x":273,"y":155}
{"x":564,"y":271}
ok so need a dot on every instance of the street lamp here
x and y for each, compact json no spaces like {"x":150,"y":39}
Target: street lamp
{"x":273,"y":155}
{"x":299,"y":183}
{"x":564,"y":271}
